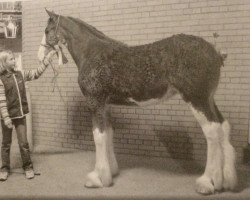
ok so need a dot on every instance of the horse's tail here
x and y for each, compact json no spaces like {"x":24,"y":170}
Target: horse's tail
{"x":223,"y":56}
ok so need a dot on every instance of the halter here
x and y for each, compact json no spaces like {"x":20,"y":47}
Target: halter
{"x":54,"y":79}
{"x":57,"y":24}
{"x":46,"y":45}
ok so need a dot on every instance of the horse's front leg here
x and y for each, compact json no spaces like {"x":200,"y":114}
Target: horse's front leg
{"x":101,"y":175}
{"x":111,"y":154}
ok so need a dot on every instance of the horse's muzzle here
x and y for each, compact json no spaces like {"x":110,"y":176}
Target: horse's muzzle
{"x":44,"y":49}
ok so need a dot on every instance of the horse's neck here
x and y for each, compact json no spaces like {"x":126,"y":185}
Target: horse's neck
{"x":78,"y":41}
{"x":77,"y":47}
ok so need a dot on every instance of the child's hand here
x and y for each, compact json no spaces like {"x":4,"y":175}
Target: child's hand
{"x":47,"y":59}
{"x":8,"y":123}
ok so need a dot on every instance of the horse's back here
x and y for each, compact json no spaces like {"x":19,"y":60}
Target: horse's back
{"x":184,"y":62}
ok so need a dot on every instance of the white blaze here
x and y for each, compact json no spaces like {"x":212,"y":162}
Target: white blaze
{"x":60,"y":61}
{"x":42,"y":49}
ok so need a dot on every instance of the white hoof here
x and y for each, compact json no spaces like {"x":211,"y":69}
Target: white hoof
{"x":114,"y":169}
{"x":217,"y":180}
{"x":93,"y":180}
{"x":204,"y":185}
{"x":99,"y":178}
{"x":105,"y":176}
{"x":230,"y":179}
{"x":115,"y":172}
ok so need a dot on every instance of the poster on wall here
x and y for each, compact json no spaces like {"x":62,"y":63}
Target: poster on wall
{"x":11,"y":25}
{"x":10,"y":19}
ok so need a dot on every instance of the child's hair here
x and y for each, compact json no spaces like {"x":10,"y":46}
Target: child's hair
{"x":3,"y":56}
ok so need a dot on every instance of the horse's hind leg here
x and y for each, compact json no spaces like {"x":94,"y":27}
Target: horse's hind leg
{"x":229,"y":170}
{"x":220,"y":169}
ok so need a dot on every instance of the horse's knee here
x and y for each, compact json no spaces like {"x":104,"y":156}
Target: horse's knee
{"x":213,"y":131}
{"x":226,"y":128}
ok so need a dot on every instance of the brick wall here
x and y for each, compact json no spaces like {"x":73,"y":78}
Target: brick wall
{"x":166,"y":130}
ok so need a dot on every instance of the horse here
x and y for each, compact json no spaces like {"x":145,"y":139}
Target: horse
{"x":111,"y":72}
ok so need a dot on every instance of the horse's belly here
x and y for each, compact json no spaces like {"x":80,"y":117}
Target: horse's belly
{"x":145,"y":103}
{"x":153,"y":101}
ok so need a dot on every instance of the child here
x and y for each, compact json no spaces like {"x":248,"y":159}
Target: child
{"x":14,"y":108}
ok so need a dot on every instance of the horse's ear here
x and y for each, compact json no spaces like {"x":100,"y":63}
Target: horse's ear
{"x":51,"y":14}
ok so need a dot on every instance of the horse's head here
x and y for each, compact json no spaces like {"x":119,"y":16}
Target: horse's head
{"x":52,"y":39}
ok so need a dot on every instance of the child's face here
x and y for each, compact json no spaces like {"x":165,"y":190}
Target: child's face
{"x":10,"y":62}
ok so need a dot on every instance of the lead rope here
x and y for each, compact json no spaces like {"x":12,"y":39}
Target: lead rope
{"x":54,"y":79}
{"x":55,"y":84}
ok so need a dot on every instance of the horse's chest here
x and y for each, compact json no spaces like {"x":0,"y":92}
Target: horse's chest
{"x":93,"y":81}
{"x":87,"y":84}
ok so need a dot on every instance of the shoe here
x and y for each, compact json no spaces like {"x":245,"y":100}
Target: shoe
{"x":4,"y":176}
{"x":29,"y":174}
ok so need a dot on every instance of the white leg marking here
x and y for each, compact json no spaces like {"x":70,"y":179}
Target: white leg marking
{"x":101,"y":176}
{"x":112,"y":158}
{"x":229,"y":170}
{"x":212,"y":178}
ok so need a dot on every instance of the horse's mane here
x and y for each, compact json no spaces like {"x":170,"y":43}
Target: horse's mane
{"x":93,"y":30}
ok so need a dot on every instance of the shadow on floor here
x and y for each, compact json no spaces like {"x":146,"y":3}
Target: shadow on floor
{"x":49,"y":150}
{"x":243,"y":178}
{"x":159,"y":164}
{"x":140,"y":178}
{"x":179,"y":146}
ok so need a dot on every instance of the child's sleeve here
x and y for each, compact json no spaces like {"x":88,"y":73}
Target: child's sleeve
{"x":3,"y":104}
{"x":33,"y":74}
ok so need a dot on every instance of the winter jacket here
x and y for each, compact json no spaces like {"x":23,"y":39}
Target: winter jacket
{"x":13,"y":100}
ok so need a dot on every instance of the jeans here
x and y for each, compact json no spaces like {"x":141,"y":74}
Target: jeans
{"x":20,"y":126}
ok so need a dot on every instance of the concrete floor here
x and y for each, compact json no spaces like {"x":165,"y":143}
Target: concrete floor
{"x":63,"y":176}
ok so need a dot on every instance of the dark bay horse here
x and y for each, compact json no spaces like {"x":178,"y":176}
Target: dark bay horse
{"x":111,"y":72}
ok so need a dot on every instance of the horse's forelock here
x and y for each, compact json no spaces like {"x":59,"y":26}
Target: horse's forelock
{"x":50,"y":20}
